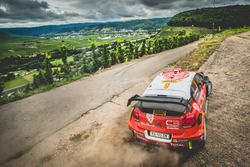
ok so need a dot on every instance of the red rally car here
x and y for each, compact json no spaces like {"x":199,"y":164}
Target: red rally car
{"x":172,"y":112}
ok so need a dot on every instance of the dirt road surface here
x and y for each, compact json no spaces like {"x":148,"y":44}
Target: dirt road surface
{"x":27,"y":122}
{"x":100,"y":137}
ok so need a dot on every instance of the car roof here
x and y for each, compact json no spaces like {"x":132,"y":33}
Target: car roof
{"x":173,"y":83}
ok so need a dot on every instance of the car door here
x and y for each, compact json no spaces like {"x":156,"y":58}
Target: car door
{"x":200,"y":92}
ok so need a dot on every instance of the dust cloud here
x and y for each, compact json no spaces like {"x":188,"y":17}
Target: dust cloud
{"x":129,"y":155}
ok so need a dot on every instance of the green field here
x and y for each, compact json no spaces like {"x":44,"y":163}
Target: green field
{"x":11,"y":45}
{"x":19,"y":81}
{"x":60,"y":62}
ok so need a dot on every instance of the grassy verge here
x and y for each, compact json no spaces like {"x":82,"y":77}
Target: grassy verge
{"x":206,"y":48}
{"x":171,"y":30}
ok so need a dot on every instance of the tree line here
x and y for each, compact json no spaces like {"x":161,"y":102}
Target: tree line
{"x":222,"y":17}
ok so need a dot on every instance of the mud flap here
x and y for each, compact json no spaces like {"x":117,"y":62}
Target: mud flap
{"x":190,"y":145}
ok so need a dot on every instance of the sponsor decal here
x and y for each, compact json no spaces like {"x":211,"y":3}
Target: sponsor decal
{"x":146,"y":124}
{"x":150,"y":118}
{"x":177,"y":144}
{"x":181,"y":140}
{"x":172,"y":124}
{"x":172,"y":81}
{"x":196,"y":106}
{"x":175,"y":76}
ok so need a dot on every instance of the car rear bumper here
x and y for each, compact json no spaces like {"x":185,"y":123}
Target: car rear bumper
{"x":176,"y":141}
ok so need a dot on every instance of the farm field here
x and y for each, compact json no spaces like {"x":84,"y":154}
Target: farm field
{"x":11,"y":45}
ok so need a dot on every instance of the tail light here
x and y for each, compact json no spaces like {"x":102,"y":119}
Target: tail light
{"x":189,"y":120}
{"x":136,"y":114}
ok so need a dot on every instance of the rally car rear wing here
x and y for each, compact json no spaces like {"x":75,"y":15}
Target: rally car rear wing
{"x":157,"y":99}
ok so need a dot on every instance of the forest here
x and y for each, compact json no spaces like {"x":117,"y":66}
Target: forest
{"x":222,"y":17}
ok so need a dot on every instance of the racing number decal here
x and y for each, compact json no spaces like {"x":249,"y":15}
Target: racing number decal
{"x":166,"y":86}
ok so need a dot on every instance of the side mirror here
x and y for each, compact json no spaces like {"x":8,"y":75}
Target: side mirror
{"x":208,"y":84}
{"x":209,"y":87}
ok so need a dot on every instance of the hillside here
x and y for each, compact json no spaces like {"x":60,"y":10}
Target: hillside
{"x":145,"y":24}
{"x":224,"y":17}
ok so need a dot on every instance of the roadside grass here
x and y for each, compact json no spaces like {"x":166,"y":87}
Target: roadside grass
{"x":210,"y":43}
{"x":76,"y":137}
{"x":45,"y":159}
{"x":234,"y":31}
{"x":19,"y":154}
{"x":170,"y":30}
{"x":79,"y":137}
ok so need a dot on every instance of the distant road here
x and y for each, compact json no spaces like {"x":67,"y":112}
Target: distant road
{"x":26,"y":122}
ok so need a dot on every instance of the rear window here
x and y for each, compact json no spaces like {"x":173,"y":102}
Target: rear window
{"x":167,"y":109}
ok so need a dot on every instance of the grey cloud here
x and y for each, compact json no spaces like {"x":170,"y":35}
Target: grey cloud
{"x":152,"y":3}
{"x":184,"y":4}
{"x":109,"y":9}
{"x":116,"y":9}
{"x":30,"y":10}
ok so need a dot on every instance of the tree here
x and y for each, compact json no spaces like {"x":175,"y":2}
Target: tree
{"x":143,"y":48}
{"x":63,"y":51}
{"x":105,"y":56}
{"x":35,"y":81}
{"x":131,"y":51}
{"x":96,"y":62}
{"x":136,"y":52}
{"x":113,"y":56}
{"x":156,"y":46}
{"x":1,"y":85}
{"x":165,"y":41}
{"x":160,"y":45}
{"x":120,"y":54}
{"x":48,"y":71}
{"x":149,"y":47}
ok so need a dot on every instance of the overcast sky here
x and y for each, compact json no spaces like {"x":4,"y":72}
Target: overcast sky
{"x":26,"y":13}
